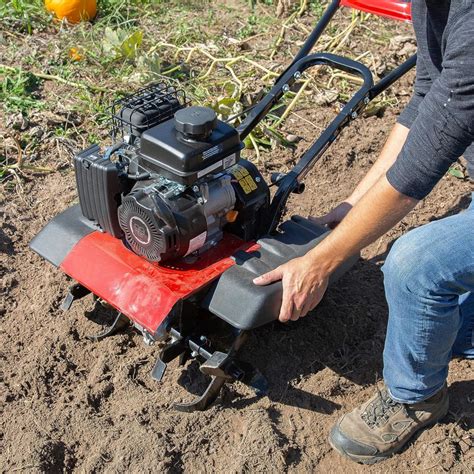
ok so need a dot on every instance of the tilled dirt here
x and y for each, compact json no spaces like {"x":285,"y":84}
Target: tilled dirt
{"x":71,"y":404}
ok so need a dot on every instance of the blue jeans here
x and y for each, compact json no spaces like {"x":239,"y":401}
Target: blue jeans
{"x":429,"y":286}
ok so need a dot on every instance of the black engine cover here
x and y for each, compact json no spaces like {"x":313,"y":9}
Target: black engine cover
{"x":183,"y":158}
{"x":100,"y":183}
{"x":157,"y":228}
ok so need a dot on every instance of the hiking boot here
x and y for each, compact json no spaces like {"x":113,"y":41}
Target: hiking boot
{"x":382,"y":426}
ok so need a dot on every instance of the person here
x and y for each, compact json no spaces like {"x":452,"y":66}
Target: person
{"x":429,"y":272}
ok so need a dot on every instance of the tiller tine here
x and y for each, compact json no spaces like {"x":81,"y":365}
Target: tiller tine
{"x":220,"y":366}
{"x":205,"y":400}
{"x":120,"y":322}
{"x":177,"y":348}
{"x":76,"y":292}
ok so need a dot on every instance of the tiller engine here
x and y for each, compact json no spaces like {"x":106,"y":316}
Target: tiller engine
{"x":173,"y":224}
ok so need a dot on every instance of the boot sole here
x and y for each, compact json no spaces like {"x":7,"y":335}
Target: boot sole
{"x":368,"y":460}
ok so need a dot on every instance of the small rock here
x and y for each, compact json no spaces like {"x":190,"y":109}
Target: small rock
{"x":36,"y":132}
{"x":18,"y":122}
{"x":292,"y":138}
{"x":407,"y":50}
{"x":399,"y":41}
{"x":326,"y":97}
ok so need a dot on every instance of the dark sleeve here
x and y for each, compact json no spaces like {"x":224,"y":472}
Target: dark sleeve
{"x":444,"y":126}
{"x":469,"y":155}
{"x":422,"y":86}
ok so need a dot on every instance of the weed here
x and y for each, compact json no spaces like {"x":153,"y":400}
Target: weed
{"x":94,"y":138}
{"x":17,"y":91}
{"x":23,"y":15}
{"x":458,"y":171}
{"x":121,"y":44}
{"x":316,"y":7}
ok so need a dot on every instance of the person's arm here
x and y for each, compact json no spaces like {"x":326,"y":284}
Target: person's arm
{"x":387,"y":157}
{"x":305,"y":279}
{"x":422,"y":86}
{"x":396,"y":140}
{"x":390,"y":151}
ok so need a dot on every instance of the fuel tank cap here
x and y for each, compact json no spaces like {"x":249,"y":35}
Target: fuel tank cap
{"x":195,"y":122}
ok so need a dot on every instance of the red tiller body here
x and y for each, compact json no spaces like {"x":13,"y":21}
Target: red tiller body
{"x":143,"y":291}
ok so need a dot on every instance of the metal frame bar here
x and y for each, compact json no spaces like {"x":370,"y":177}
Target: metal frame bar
{"x":290,"y":182}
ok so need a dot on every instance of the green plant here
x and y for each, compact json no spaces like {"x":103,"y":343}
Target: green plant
{"x":457,"y":170}
{"x":23,"y":15}
{"x":317,"y":7}
{"x":17,"y":91}
{"x":121,"y":43}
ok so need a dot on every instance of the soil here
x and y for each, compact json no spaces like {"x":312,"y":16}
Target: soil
{"x":73,"y":405}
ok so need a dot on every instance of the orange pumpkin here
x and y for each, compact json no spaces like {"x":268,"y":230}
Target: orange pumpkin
{"x":72,"y":10}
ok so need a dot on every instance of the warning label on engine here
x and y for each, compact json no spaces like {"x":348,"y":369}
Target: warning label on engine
{"x":197,"y":243}
{"x":244,"y":178}
{"x":229,"y":161}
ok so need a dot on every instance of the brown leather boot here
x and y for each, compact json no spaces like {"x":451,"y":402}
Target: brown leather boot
{"x":382,"y":426}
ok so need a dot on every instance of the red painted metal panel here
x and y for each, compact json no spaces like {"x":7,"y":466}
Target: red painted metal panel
{"x":395,"y":9}
{"x":144,"y":291}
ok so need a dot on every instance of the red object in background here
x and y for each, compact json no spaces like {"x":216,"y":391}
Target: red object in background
{"x":143,"y":291}
{"x":395,"y":9}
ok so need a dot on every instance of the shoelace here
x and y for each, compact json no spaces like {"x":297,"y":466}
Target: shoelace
{"x":379,"y":411}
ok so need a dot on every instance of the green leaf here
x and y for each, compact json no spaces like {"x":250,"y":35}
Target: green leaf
{"x":111,"y":40}
{"x":248,"y":143}
{"x":131,"y":44}
{"x":122,"y":44}
{"x":457,"y":173}
{"x":263,"y":141}
{"x":269,"y":131}
{"x":231,"y":89}
{"x":225,"y":106}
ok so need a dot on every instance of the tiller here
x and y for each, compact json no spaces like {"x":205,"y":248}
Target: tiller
{"x":173,"y":224}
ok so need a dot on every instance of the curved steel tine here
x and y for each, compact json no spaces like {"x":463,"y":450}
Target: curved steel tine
{"x":201,"y":403}
{"x":120,"y":322}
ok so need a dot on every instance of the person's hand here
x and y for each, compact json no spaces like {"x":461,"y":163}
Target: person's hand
{"x":334,"y":217}
{"x":303,"y":283}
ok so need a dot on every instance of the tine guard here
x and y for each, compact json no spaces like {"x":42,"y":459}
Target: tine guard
{"x":244,"y":305}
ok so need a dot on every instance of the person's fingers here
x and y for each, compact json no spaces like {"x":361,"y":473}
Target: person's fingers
{"x":299,"y":306}
{"x":306,"y":308}
{"x":296,"y":313}
{"x":269,"y":277}
{"x":322,"y":220}
{"x":286,"y":310}
{"x":313,"y":302}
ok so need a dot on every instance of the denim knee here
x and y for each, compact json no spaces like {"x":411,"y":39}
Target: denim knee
{"x":411,"y":267}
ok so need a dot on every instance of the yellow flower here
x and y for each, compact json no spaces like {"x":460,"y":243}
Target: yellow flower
{"x":75,"y":55}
